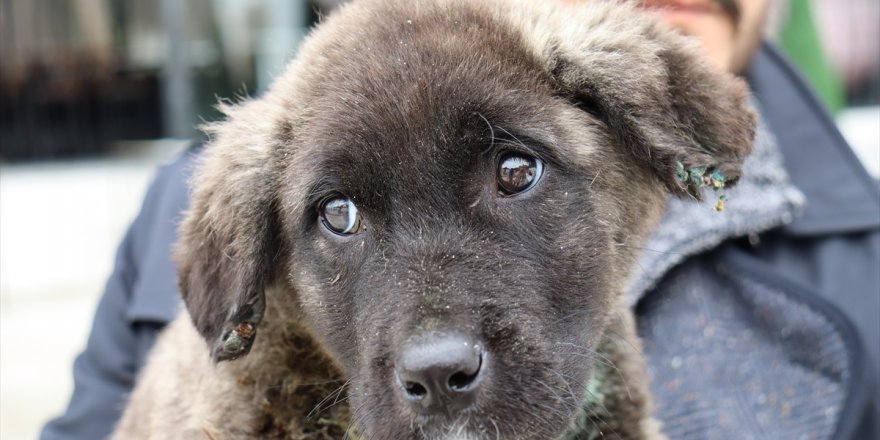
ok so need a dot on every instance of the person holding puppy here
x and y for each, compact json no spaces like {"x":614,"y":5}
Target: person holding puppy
{"x":778,"y":293}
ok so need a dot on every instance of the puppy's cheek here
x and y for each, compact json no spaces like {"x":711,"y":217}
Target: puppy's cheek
{"x":326,"y":307}
{"x":376,"y":414}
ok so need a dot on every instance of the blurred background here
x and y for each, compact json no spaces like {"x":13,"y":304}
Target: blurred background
{"x":94,"y":94}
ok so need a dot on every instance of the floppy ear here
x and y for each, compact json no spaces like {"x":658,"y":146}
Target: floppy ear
{"x":661,"y":100}
{"x":229,"y":238}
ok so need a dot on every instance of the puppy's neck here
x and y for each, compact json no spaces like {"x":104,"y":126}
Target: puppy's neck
{"x":614,"y":404}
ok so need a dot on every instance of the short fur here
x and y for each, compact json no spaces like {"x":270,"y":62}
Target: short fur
{"x":404,"y":107}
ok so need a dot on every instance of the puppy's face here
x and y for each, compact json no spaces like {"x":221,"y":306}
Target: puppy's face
{"x":451,"y":197}
{"x":449,"y":251}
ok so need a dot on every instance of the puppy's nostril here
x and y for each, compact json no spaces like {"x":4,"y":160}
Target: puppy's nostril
{"x":415,"y":390}
{"x":461,"y":380}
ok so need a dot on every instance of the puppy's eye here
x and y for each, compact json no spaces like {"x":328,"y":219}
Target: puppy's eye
{"x":518,"y":173}
{"x":339,"y":215}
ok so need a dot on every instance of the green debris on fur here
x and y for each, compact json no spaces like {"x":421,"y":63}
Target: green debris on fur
{"x":719,"y":205}
{"x":696,"y":175}
{"x":703,"y":177}
{"x":586,"y":425}
{"x":595,"y":396}
{"x":680,"y":172}
{"x":716,"y":180}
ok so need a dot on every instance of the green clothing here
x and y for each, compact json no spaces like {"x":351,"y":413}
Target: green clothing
{"x":799,"y":40}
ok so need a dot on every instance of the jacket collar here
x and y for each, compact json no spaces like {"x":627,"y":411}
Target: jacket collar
{"x":763,"y":199}
{"x":840,"y":195}
{"x":801,"y":177}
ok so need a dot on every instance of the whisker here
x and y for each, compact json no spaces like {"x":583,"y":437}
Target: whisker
{"x":570,"y":315}
{"x":337,"y":392}
{"x":491,"y":131}
{"x":518,"y":142}
{"x":497,"y":431}
{"x":356,"y":415}
{"x":607,"y":362}
{"x":641,"y":248}
{"x":562,"y":377}
{"x":553,"y":391}
{"x":594,"y":179}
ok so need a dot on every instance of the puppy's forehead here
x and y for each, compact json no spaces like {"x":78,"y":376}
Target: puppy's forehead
{"x":421,"y":91}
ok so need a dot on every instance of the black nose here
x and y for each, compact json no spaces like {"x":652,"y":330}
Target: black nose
{"x":440,"y":372}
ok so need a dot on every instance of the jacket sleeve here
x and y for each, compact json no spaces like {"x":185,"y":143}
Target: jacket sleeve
{"x":140,"y":297}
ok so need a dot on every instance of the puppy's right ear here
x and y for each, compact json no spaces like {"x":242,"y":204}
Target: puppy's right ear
{"x":660,"y":99}
{"x":229,"y":239}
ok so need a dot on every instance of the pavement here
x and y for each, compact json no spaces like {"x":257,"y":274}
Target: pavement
{"x":60,"y":224}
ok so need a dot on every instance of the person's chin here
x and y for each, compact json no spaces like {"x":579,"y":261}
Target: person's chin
{"x":686,"y":15}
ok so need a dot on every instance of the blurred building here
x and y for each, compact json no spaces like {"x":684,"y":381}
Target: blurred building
{"x":850,"y":32}
{"x":77,"y":75}
{"x":836,"y":46}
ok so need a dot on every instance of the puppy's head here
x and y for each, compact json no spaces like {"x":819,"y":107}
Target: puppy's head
{"x":451,"y":194}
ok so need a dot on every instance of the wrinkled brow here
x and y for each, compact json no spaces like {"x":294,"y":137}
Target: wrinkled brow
{"x":307,"y":179}
{"x":537,"y":142}
{"x":325,"y":186}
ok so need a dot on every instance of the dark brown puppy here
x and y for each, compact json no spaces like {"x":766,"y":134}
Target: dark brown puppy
{"x":430,"y":208}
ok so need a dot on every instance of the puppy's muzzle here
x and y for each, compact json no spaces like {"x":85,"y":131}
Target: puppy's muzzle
{"x":440,"y":373}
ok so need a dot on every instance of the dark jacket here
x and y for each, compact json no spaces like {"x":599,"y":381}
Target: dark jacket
{"x":769,"y":333}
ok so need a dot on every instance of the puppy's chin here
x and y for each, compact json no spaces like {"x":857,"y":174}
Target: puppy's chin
{"x":458,"y":430}
{"x":476,"y":428}
{"x":471,"y":425}
{"x":463,"y":429}
{"x":461,"y":434}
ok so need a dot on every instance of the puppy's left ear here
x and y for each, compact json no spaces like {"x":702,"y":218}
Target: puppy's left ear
{"x":229,"y":239}
{"x":659,"y":97}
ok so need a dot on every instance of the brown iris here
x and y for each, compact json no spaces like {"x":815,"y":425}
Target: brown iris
{"x":518,"y":173}
{"x":340,"y":215}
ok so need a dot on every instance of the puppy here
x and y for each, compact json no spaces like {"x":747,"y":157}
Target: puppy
{"x":424,"y":229}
